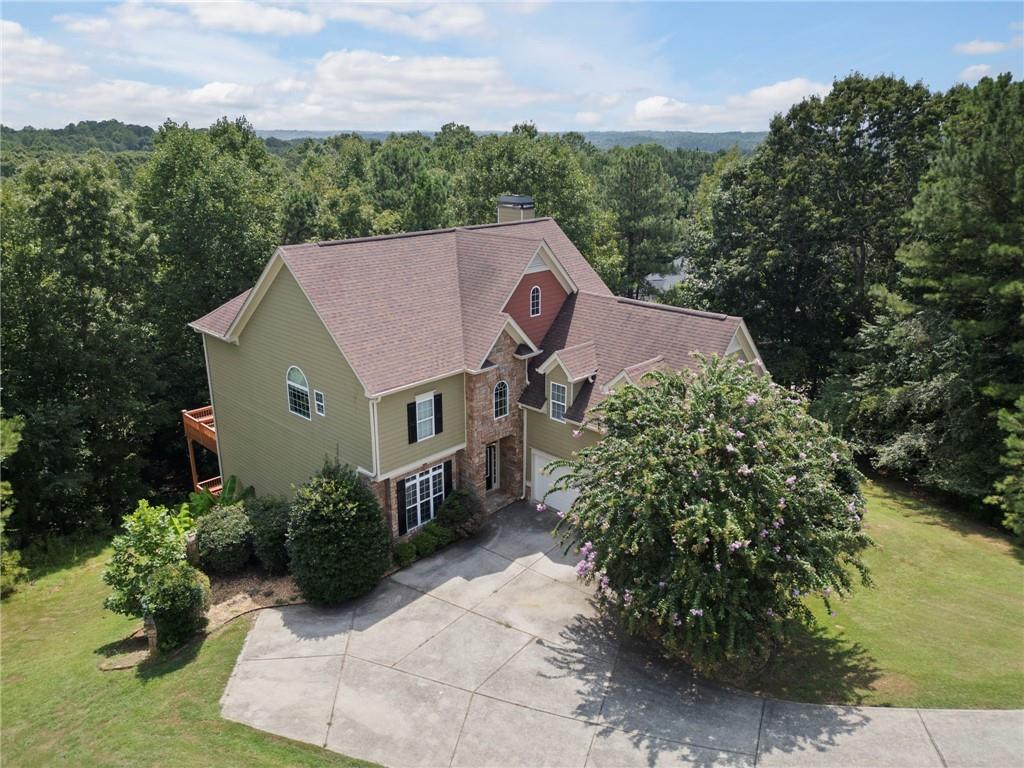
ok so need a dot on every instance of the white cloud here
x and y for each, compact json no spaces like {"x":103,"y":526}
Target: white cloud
{"x":430,"y":22}
{"x":974,"y":73}
{"x":588,"y":119}
{"x":26,"y":59}
{"x":246,"y":16}
{"x":985,"y":47}
{"x":750,"y":111}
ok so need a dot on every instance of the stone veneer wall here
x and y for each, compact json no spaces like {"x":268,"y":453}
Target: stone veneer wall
{"x":387,"y":493}
{"x":482,"y":428}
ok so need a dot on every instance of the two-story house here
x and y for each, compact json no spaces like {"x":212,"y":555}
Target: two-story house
{"x":465,"y":357}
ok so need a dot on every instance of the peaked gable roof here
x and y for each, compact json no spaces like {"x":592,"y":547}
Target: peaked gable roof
{"x":414,"y":307}
{"x":624,"y":336}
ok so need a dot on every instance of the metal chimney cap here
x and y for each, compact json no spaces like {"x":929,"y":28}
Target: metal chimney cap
{"x":516,"y":201}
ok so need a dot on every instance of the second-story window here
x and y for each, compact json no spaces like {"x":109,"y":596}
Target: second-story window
{"x":298,"y":392}
{"x":500,"y":400}
{"x":558,"y":397}
{"x":424,"y":416}
{"x":535,"y":301}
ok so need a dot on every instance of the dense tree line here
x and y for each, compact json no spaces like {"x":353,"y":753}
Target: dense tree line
{"x":872,"y":241}
{"x":874,"y":245}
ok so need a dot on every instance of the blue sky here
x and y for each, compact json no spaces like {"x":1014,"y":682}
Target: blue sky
{"x":378,"y":66}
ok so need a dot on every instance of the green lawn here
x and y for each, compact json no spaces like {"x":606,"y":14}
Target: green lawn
{"x":58,"y":708}
{"x":942,"y":627}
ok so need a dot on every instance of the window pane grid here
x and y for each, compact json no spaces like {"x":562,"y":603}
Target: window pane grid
{"x":424,"y":494}
{"x":424,"y":418}
{"x":558,"y":401}
{"x":298,"y":401}
{"x":534,"y":301}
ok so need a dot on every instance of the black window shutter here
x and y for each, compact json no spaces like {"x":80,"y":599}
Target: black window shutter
{"x":447,"y":478}
{"x":410,"y":417}
{"x":438,"y":415}
{"x":400,"y":506}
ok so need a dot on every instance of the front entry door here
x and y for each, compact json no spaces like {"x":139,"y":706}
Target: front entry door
{"x":491,"y":466}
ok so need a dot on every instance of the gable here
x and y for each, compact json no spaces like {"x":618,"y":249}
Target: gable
{"x":552,"y":296}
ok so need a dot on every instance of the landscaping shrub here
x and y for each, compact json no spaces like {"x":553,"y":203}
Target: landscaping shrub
{"x":201,"y":502}
{"x":459,"y":513}
{"x":711,"y":508}
{"x":424,"y":543}
{"x":268,"y":516}
{"x":337,"y":538}
{"x":405,"y":553}
{"x":152,"y":538}
{"x":177,"y":597}
{"x":224,"y":538}
{"x":441,"y":534}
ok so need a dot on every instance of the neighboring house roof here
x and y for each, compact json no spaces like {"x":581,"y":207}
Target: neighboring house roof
{"x":625,"y":337}
{"x":436,"y":297}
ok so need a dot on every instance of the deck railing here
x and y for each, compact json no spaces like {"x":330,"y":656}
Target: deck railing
{"x":199,"y":426}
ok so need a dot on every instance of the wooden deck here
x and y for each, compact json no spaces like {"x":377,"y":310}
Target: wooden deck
{"x":200,"y":428}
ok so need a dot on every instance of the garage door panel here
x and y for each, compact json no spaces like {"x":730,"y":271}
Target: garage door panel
{"x":542,"y":482}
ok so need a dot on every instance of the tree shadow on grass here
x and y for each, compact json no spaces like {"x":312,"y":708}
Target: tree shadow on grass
{"x":168,"y":663}
{"x":817,"y":667}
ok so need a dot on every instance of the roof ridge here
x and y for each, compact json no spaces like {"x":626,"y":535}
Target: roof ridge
{"x":494,"y":225}
{"x":374,"y":238}
{"x":663,"y":307}
{"x":470,"y":231}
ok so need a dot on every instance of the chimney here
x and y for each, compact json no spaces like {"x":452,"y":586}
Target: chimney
{"x":514,"y":208}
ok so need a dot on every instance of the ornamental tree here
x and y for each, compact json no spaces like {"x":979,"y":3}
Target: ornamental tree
{"x":711,"y":509}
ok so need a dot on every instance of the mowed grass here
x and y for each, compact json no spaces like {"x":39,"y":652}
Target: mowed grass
{"x":59,"y":709}
{"x":942,"y":627}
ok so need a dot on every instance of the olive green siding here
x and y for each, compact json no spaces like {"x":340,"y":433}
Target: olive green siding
{"x":395,"y":449}
{"x":259,"y":439}
{"x":553,"y":438}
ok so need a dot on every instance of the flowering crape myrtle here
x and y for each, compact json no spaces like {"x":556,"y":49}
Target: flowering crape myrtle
{"x":711,"y":509}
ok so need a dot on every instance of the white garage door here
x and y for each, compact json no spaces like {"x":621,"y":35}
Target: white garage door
{"x":542,"y":482}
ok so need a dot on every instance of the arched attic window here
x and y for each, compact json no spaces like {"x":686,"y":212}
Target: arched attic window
{"x":535,"y":301}
{"x":298,"y":392}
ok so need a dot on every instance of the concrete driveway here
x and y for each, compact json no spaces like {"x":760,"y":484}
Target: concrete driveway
{"x":491,"y":654}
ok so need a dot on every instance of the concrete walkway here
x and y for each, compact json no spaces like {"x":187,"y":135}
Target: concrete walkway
{"x":491,"y":654}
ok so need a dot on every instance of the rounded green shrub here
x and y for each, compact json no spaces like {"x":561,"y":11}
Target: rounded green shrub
{"x":177,"y":597}
{"x":224,"y":539}
{"x":337,"y":538}
{"x":405,"y":553}
{"x":459,"y":513}
{"x":268,"y":516}
{"x":441,"y":534}
{"x":713,"y":506}
{"x":424,"y":543}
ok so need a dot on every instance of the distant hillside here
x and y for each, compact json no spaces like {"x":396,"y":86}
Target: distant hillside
{"x":709,"y":142}
{"x":107,"y":135}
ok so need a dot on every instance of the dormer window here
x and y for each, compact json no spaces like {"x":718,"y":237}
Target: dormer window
{"x":535,"y":301}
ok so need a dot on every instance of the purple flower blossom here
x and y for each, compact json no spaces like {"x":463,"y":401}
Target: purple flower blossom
{"x":791,"y":481}
{"x":782,"y":502}
{"x":778,"y":522}
{"x":803,"y":455}
{"x":770,"y":612}
{"x":542,"y":507}
{"x":577,"y":432}
{"x":676,"y":621}
{"x":764,"y":533}
{"x":603,"y":581}
{"x":759,"y":445}
{"x":745,"y":471}
{"x":586,"y":549}
{"x":662,"y":585}
{"x":584,"y":568}
{"x":730,"y":448}
{"x":718,"y":566}
{"x":561,"y":514}
{"x":752,"y":398}
{"x":627,"y":598}
{"x":835,"y":456}
{"x":738,"y":433}
{"x":795,"y":593}
{"x":695,"y":473}
{"x":696,"y":611}
{"x":776,"y":549}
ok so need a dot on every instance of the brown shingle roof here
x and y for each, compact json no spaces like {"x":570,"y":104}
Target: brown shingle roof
{"x":218,"y":321}
{"x":580,"y":360}
{"x":413,"y":307}
{"x":627,"y":334}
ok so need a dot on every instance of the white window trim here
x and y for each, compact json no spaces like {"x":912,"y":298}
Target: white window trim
{"x":564,"y":403}
{"x":539,"y":298}
{"x":429,"y":473}
{"x":288,"y":384}
{"x":433,"y":417}
{"x":494,"y":400}
{"x":319,"y":403}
